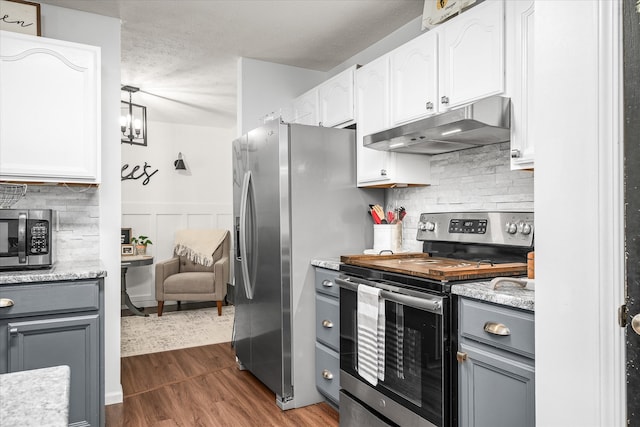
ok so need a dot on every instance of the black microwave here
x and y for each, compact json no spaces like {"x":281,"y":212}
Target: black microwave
{"x":25,"y":239}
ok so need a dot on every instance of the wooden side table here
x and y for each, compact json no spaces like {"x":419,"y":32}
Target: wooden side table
{"x":126,"y":262}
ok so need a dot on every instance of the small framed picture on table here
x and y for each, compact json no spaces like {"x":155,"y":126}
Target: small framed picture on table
{"x":125,"y":236}
{"x":126,"y":250}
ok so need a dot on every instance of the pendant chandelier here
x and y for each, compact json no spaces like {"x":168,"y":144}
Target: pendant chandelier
{"x":133,"y":120}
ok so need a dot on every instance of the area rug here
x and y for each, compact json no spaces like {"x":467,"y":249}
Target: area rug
{"x":174,"y":330}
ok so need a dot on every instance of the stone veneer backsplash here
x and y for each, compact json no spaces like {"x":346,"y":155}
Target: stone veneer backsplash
{"x":473,"y":179}
{"x":76,"y":235}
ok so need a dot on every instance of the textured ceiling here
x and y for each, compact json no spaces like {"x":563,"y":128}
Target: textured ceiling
{"x":183,"y":54}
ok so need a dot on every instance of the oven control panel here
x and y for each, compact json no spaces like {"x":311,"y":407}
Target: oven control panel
{"x":500,"y":228}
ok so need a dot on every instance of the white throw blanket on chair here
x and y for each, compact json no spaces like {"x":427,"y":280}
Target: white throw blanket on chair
{"x":198,"y":245}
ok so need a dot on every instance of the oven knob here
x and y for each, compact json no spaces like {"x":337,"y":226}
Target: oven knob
{"x":526,"y":229}
{"x":429,"y":226}
{"x":422,"y":226}
{"x":511,"y":228}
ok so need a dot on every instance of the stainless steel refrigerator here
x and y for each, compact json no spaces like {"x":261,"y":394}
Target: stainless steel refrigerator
{"x":294,"y":199}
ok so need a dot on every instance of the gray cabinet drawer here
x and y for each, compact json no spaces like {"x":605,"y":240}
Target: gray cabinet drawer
{"x":325,"y":281}
{"x":49,"y":298}
{"x":328,"y":372}
{"x":477,"y":319}
{"x":328,"y":321}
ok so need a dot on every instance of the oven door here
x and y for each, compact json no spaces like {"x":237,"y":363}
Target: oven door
{"x":412,"y":391}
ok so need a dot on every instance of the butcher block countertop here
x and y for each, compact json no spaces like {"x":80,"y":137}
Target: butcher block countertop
{"x":445,"y":269}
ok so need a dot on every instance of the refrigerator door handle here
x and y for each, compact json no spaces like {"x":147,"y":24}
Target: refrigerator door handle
{"x":244,"y":201}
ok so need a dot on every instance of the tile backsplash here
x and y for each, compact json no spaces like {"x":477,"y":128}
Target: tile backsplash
{"x":75,"y":222}
{"x":474,"y":179}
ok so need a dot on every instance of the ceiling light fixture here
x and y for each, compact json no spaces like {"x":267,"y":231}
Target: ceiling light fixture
{"x":133,"y":120}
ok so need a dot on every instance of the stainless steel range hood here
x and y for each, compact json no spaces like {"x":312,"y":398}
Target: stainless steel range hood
{"x":483,"y":122}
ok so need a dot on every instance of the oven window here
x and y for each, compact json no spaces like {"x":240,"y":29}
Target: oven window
{"x":413,"y":357}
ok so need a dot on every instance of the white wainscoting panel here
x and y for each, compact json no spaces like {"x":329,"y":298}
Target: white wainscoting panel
{"x":159,"y":222}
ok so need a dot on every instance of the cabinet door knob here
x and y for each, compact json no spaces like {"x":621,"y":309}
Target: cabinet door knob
{"x":515,"y":153}
{"x":461,"y":356}
{"x":383,"y":172}
{"x":429,"y":105}
{"x":327,"y":283}
{"x":327,"y":324}
{"x":326,"y":374}
{"x":444,"y":100}
{"x":496,"y":329}
{"x":6,"y":302}
{"x":13,"y":331}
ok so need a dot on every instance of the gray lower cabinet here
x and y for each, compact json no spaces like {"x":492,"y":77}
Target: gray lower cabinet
{"x":328,"y":334}
{"x":496,"y":374}
{"x":58,"y":323}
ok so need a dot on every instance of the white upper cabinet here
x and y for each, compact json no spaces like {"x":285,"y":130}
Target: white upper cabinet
{"x":49,"y":110}
{"x":520,"y":23}
{"x":372,"y":101}
{"x":472,"y":55}
{"x":329,"y":104}
{"x":381,"y":168}
{"x":336,"y":99}
{"x":305,"y":108}
{"x":414,"y":79}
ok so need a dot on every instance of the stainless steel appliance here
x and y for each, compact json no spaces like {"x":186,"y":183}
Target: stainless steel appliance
{"x":25,"y":239}
{"x":486,"y":121}
{"x":419,"y":382}
{"x":295,"y":199}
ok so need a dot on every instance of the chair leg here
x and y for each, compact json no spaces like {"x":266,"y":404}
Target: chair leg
{"x":219,"y":303}
{"x":160,"y":307}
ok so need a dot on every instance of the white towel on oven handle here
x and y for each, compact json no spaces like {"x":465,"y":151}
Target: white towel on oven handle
{"x":370,"y":331}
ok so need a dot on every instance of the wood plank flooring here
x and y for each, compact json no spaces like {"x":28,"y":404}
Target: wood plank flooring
{"x":202,"y":387}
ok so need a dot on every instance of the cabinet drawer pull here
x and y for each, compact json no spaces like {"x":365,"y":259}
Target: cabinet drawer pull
{"x":327,"y":283}
{"x":327,"y":324}
{"x":326,"y":374}
{"x":496,"y":329}
{"x":6,"y":302}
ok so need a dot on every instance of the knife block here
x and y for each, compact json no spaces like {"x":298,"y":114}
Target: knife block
{"x":387,"y":237}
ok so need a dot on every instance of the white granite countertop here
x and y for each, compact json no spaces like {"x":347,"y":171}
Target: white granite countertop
{"x":35,"y":398}
{"x":506,"y":294}
{"x":69,"y":270}
{"x":328,"y":263}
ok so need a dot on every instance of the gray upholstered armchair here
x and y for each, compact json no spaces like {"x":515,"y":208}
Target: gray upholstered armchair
{"x":180,"y":279}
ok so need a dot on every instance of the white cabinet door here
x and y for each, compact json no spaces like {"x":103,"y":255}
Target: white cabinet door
{"x":382,"y":168}
{"x":414,"y":79}
{"x":372,"y":103}
{"x":305,"y":108}
{"x":520,"y":23}
{"x":49,"y":110}
{"x":336,"y":99}
{"x":471,"y":62}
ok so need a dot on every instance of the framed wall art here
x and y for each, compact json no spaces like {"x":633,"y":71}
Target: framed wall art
{"x":125,"y":236}
{"x":20,"y":17}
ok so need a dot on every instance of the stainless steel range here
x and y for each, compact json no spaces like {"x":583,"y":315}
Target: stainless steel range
{"x":397,"y":350}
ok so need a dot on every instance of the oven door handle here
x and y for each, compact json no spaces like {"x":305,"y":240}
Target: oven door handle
{"x":433,"y":306}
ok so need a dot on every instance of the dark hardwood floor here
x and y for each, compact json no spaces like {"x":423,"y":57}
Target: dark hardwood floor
{"x":202,"y":386}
